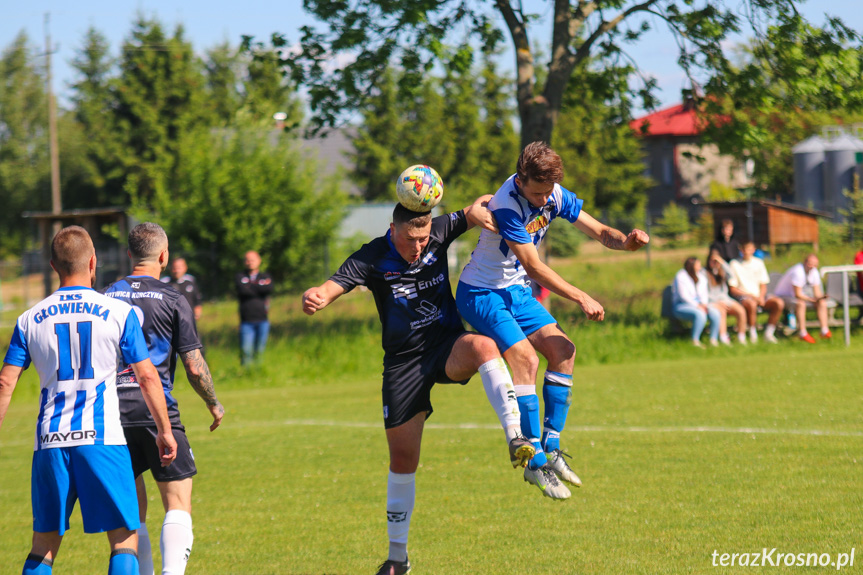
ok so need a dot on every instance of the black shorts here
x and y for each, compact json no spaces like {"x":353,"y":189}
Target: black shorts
{"x":145,"y":454}
{"x":407,"y":385}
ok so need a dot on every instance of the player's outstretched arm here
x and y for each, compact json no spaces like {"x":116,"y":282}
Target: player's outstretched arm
{"x":610,"y":237}
{"x":9,"y":376}
{"x":154,"y":397}
{"x":317,"y":298}
{"x":536,"y":269}
{"x":478,"y":214}
{"x":201,"y":380}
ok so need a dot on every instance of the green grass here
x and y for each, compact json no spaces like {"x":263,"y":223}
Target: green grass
{"x":682,"y":452}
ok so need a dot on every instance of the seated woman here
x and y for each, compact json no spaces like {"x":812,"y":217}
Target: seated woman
{"x":690,"y":301}
{"x":717,"y":272}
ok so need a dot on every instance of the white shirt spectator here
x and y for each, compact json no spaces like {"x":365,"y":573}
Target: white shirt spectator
{"x":687,"y":291}
{"x":796,"y":276}
{"x":749,"y":275}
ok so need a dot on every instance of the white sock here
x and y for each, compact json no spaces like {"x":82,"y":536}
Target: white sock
{"x":803,"y":332}
{"x":741,"y":336}
{"x":768,"y":331}
{"x":145,"y":551}
{"x":501,"y":395}
{"x":176,"y":542}
{"x":401,"y":493}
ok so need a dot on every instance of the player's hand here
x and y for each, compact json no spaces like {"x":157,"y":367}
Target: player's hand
{"x":312,"y":301}
{"x":167,"y":448}
{"x":592,"y":308}
{"x":218,"y":413}
{"x":483,"y":217}
{"x":635,"y":240}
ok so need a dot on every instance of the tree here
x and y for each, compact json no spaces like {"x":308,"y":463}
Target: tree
{"x":779,"y":92}
{"x":160,"y":98}
{"x":223,"y":64}
{"x":412,"y":33}
{"x":91,"y":147}
{"x":601,"y":155}
{"x":24,"y":164}
{"x":457,"y":122}
{"x":243,"y":190}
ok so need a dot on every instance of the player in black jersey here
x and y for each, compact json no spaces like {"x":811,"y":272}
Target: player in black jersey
{"x":169,"y":328}
{"x":424,"y":342}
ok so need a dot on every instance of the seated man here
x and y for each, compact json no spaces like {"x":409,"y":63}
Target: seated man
{"x":726,"y":244}
{"x":801,"y":288}
{"x":748,"y":285}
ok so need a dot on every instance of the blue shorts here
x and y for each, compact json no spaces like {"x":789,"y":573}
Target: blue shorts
{"x":506,"y":315}
{"x":100,"y":476}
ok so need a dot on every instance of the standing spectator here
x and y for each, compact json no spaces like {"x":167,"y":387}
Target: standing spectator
{"x":691,"y":301}
{"x":726,"y":244}
{"x":254,"y":288}
{"x":749,"y":286}
{"x":185,"y":283}
{"x":717,"y":272}
{"x":801,"y":288}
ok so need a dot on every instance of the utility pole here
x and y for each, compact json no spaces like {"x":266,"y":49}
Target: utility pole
{"x":56,"y":202}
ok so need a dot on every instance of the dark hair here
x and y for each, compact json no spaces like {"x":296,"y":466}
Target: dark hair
{"x":410,"y":218}
{"x":146,"y":241}
{"x":689,"y":266}
{"x":539,"y":163}
{"x":71,"y":250}
{"x":717,"y":278}
{"x":727,"y":222}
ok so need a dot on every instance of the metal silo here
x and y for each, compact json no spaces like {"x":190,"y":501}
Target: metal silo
{"x":809,"y":172}
{"x":840,"y":163}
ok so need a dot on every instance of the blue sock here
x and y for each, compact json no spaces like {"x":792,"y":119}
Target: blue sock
{"x":35,"y":565}
{"x":123,"y":562}
{"x":530,"y":427}
{"x":557,"y":395}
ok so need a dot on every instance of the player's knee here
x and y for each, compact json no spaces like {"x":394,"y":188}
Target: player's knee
{"x":486,"y":350}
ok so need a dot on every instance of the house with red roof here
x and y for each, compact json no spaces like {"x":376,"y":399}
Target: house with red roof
{"x":681,"y":166}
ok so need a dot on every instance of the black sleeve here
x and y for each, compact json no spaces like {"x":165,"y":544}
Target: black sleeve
{"x":265,"y":289}
{"x":185,"y":334}
{"x":356,"y":269}
{"x":244,"y":290}
{"x":448,"y":227}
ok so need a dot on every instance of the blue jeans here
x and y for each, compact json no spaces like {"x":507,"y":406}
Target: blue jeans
{"x":253,"y":340}
{"x":689,"y":312}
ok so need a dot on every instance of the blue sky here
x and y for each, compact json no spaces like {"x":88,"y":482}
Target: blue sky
{"x":208,"y":22}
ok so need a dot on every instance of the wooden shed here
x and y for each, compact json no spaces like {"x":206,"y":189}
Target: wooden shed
{"x":110,"y":248}
{"x":768,"y":223}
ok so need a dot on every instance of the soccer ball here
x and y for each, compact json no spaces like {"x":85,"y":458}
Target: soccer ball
{"x":419,"y":188}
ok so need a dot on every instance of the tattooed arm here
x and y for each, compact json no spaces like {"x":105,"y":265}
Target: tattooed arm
{"x":198,"y":373}
{"x":610,"y":237}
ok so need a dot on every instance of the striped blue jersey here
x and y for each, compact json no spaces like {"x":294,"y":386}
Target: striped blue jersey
{"x":74,"y":338}
{"x":492,"y":265}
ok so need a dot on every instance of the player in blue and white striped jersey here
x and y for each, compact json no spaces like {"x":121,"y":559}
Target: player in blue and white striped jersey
{"x":494,"y":296}
{"x":74,"y":338}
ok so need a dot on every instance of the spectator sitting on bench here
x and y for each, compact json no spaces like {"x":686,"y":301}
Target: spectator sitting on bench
{"x":718,"y":272}
{"x":748,"y":285}
{"x":801,"y":288}
{"x":690,"y":301}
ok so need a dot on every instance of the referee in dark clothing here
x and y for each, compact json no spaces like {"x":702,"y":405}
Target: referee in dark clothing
{"x":254,"y":288}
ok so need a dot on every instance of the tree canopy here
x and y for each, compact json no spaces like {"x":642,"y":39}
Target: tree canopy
{"x":413,"y":34}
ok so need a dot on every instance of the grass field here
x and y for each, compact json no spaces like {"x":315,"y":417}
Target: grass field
{"x":682,"y":452}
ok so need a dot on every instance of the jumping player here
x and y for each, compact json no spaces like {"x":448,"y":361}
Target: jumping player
{"x":169,"y":330}
{"x":494,"y":296}
{"x":74,"y":337}
{"x":424,"y":342}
